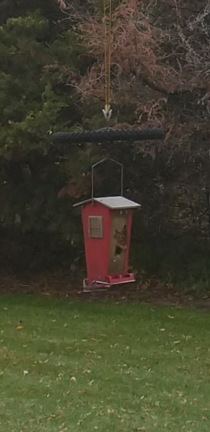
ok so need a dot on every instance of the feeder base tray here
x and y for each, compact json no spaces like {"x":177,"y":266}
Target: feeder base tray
{"x":110,"y":280}
{"x":120,"y":279}
{"x":94,"y":285}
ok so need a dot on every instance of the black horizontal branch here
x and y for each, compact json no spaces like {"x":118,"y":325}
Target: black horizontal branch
{"x":108,"y":135}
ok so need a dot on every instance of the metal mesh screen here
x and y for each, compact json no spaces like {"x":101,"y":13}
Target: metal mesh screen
{"x":95,"y":226}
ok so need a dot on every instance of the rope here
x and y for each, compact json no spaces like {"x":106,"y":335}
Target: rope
{"x":107,"y":53}
{"x":108,"y":135}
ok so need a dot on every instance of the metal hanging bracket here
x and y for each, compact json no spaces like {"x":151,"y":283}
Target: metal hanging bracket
{"x":99,"y":163}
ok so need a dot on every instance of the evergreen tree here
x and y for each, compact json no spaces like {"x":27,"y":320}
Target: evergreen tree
{"x":35,"y":46}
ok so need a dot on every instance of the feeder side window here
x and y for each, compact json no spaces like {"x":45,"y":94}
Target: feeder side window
{"x":95,"y":226}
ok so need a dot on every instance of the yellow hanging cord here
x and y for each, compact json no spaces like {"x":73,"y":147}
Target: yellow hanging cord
{"x":107,"y":57}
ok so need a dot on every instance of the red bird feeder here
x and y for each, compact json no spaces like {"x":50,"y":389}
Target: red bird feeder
{"x":107,"y":230}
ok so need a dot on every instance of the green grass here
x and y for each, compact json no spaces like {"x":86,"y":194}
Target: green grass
{"x":102,"y":367}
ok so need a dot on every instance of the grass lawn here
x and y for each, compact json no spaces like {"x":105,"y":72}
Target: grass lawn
{"x":102,"y":367}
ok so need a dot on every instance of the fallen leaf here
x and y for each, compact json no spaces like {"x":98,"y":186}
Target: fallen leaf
{"x":110,"y":411}
{"x":73,"y":379}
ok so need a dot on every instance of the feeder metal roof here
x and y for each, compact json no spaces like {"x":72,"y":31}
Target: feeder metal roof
{"x":113,"y":202}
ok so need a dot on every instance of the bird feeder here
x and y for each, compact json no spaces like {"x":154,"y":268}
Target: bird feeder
{"x":107,"y":231}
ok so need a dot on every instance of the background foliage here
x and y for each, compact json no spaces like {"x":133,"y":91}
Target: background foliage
{"x":51,"y":78}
